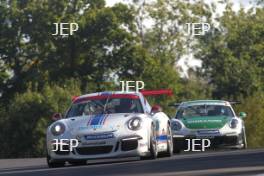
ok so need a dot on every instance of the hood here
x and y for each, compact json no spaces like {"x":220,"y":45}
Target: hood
{"x":97,"y":123}
{"x":205,"y":122}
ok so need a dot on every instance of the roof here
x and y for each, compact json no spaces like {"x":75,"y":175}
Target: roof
{"x":108,"y":92}
{"x":199,"y":102}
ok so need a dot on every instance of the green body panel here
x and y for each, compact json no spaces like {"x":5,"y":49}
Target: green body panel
{"x":205,"y":122}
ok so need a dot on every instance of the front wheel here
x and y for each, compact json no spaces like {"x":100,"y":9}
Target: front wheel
{"x":244,"y":138}
{"x":169,"y":151}
{"x":78,"y":163}
{"x":53,"y":164}
{"x":177,"y":146}
{"x":153,"y":149}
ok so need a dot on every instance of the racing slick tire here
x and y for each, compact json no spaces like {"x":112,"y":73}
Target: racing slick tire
{"x":244,"y":138}
{"x":169,"y":151}
{"x":53,"y":164}
{"x":78,"y":163}
{"x":242,"y":141}
{"x":153,"y":149}
{"x":176,"y":150}
{"x":177,"y":146}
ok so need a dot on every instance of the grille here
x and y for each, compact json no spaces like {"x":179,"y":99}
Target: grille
{"x":64,"y":147}
{"x":129,"y":145}
{"x":94,"y":150}
{"x":117,"y":146}
{"x":222,"y":140}
{"x":215,"y":142}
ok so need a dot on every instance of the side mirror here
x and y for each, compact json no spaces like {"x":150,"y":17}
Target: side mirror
{"x":56,"y":116}
{"x":242,"y":115}
{"x":155,"y":109}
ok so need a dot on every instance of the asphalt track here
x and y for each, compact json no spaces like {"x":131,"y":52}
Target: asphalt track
{"x":219,"y":163}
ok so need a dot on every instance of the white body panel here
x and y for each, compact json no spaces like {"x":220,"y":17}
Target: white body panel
{"x":116,"y":125}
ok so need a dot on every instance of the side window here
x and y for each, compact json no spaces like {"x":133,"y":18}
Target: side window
{"x":178,"y":113}
{"x":146,"y":104}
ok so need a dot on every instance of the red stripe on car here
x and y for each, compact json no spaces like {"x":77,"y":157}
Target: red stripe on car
{"x":100,"y":97}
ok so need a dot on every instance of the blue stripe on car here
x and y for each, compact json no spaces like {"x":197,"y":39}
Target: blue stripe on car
{"x":97,"y":119}
{"x":102,"y":119}
{"x":162,"y":137}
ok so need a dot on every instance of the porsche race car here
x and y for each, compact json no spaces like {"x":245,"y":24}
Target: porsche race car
{"x":109,"y":125}
{"x":208,"y":119}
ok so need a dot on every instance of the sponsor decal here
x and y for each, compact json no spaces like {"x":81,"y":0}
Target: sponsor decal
{"x":99,"y":136}
{"x":203,"y":121}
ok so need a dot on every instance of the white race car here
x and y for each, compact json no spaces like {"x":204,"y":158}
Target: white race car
{"x":109,"y":125}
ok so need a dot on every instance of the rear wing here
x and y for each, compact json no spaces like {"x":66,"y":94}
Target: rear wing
{"x":178,"y":104}
{"x":167,"y":92}
{"x":175,"y":105}
{"x":234,"y":102}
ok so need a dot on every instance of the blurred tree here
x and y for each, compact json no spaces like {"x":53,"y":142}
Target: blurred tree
{"x":254,"y":107}
{"x":194,"y":87}
{"x":24,"y":130}
{"x":260,"y":2}
{"x":3,"y":120}
{"x":167,"y":38}
{"x":233,"y":54}
{"x":32,"y":54}
{"x":162,"y":31}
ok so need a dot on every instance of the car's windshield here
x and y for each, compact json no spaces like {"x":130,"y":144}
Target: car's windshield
{"x":108,"y":106}
{"x":204,"y":110}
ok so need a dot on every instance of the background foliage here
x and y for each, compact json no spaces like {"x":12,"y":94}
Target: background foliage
{"x":39,"y":72}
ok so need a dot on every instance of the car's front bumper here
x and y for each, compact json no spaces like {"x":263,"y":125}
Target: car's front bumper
{"x":180,"y":142}
{"x":125,"y":146}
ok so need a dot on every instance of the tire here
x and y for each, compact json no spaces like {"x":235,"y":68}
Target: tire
{"x":78,"y":163}
{"x":169,"y":151}
{"x":244,"y":138}
{"x":53,"y":164}
{"x":176,"y":148}
{"x":153,"y":149}
{"x":176,"y":151}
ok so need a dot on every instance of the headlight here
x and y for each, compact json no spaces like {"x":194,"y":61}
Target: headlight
{"x":233,"y":123}
{"x":58,"y":129}
{"x":134,"y":123}
{"x":176,"y":126}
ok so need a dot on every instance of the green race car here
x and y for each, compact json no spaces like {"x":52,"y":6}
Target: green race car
{"x":214,"y":120}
